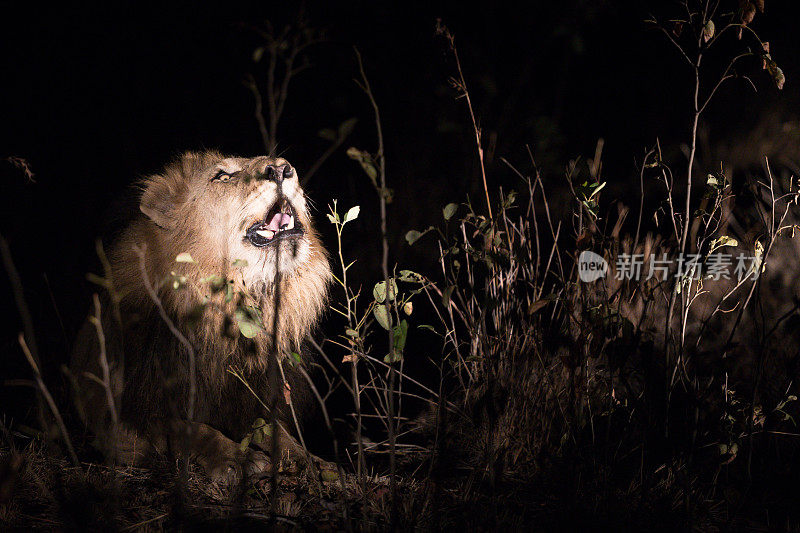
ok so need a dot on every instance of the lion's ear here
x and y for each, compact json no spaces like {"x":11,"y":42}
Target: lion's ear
{"x":158,"y":203}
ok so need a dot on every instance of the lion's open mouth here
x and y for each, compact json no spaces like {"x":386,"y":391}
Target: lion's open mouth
{"x":279,"y":223}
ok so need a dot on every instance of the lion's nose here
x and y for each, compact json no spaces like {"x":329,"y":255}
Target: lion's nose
{"x":277,"y":173}
{"x":273,"y":173}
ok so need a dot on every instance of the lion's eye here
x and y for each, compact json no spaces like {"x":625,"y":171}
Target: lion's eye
{"x":221,"y":176}
{"x":288,"y":172}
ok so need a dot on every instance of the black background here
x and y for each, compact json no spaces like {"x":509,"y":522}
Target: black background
{"x":94,"y":97}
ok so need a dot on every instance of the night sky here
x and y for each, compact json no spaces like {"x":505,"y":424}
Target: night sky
{"x":94,"y":98}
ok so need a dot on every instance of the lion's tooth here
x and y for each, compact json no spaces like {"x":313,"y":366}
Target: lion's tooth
{"x":291,"y":223}
{"x":267,"y":234}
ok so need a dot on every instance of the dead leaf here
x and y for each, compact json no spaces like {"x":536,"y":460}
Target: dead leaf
{"x":537,"y":305}
{"x":287,"y":392}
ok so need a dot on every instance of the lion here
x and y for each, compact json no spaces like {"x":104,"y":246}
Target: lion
{"x":221,"y":241}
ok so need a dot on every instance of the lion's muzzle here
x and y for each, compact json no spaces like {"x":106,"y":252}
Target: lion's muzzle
{"x":279,"y":223}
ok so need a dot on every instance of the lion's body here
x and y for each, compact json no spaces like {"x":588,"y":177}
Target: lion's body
{"x":187,"y":210}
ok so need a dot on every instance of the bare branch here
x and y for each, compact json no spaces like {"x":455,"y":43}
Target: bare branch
{"x":462,"y":85}
{"x":381,"y":159}
{"x":140,"y":251}
{"x":49,"y":399}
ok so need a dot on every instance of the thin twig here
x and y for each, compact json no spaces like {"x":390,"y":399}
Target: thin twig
{"x":385,"y":268}
{"x":461,"y":84}
{"x":105,"y":382}
{"x":24,"y":313}
{"x":140,"y":251}
{"x":49,"y":399}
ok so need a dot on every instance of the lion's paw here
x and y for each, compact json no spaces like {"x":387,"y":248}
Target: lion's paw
{"x":229,"y":471}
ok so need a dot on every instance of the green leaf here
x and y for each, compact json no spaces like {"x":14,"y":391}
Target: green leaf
{"x":449,"y":210}
{"x":723,"y":241}
{"x":379,"y":291}
{"x":410,"y":276}
{"x":184,"y":257}
{"x":216,"y":283}
{"x":329,"y":475}
{"x":333,"y":219}
{"x":297,"y":358}
{"x":245,"y":443}
{"x":327,"y":134}
{"x":399,"y":334}
{"x":708,"y":30}
{"x":351,"y":333}
{"x":249,"y":329}
{"x":258,"y":53}
{"x":261,"y":431}
{"x":366,"y":162}
{"x":351,"y":214}
{"x":446,"y":295}
{"x":248,"y":319}
{"x":178,"y":281}
{"x":392,"y":358}
{"x":412,"y":236}
{"x":369,"y":168}
{"x":597,"y":188}
{"x":346,"y":127}
{"x":239,"y":263}
{"x":381,"y":316}
{"x":779,"y":77}
{"x":510,"y":199}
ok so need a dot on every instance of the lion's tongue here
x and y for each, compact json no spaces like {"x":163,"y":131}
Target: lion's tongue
{"x":279,"y":220}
